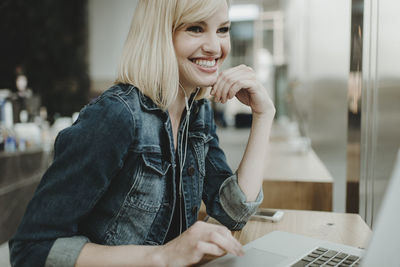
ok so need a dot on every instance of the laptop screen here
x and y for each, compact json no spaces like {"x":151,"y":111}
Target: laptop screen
{"x":385,"y":243}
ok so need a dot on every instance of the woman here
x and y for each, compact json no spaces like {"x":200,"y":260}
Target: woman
{"x":129,"y":175}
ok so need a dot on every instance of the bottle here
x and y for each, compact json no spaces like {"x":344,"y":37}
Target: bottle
{"x":10,"y":144}
{"x":2,"y":137}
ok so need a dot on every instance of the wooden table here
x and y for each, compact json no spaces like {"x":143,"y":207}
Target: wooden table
{"x":344,"y":228}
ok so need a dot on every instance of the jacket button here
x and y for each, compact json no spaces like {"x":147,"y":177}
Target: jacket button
{"x":194,"y":210}
{"x":191,"y":171}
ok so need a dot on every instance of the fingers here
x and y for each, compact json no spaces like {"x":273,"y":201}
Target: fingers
{"x":209,"y":248}
{"x":223,"y":83}
{"x":220,"y":236}
{"x":231,"y":81}
{"x":227,"y":242}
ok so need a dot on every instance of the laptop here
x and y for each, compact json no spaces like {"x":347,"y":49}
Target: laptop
{"x":282,"y":249}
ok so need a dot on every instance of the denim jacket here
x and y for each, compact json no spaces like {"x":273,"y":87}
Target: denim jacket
{"x":112,"y":181}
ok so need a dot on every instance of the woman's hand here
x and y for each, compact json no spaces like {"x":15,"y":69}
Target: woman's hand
{"x":187,"y":249}
{"x":200,"y":239}
{"x":241,"y":82}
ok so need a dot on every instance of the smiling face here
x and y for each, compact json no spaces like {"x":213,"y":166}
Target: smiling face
{"x":201,"y":47}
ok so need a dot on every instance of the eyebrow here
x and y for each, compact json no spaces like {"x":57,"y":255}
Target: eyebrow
{"x":226,"y":22}
{"x":222,"y":24}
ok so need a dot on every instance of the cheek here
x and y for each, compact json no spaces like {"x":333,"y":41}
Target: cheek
{"x":186,"y":70}
{"x":179,"y":52}
{"x":183,"y":61}
{"x":226,"y":48}
{"x":180,"y":46}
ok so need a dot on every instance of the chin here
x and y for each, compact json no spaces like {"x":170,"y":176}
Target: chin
{"x":203,"y":84}
{"x":207,"y":82}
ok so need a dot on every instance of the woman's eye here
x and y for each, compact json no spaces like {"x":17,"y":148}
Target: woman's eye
{"x":223,"y":30}
{"x":195,"y":29}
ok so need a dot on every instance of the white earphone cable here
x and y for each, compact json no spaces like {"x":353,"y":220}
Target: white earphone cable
{"x":183,"y":153}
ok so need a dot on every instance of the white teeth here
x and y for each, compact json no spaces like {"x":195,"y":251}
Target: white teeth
{"x":205,"y":63}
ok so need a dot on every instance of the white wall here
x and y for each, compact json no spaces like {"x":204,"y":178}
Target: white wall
{"x":389,"y":39}
{"x":318,"y":47}
{"x":318,"y":38}
{"x":109,"y":23}
{"x":329,"y":38}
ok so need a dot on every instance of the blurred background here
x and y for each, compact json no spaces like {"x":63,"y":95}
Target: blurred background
{"x":331,"y":67}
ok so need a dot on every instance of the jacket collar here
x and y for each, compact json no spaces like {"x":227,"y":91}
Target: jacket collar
{"x":148,"y":104}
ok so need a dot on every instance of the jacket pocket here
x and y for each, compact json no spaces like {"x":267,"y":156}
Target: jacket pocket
{"x":149,"y":184}
{"x":142,"y":202}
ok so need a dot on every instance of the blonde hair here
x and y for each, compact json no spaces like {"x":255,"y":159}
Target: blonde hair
{"x":148,"y":58}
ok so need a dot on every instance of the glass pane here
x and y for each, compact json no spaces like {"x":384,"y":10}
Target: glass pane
{"x":318,"y":48}
{"x":381,"y":128}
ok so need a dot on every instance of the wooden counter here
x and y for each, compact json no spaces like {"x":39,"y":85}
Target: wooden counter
{"x":20,"y":173}
{"x":295,"y":178}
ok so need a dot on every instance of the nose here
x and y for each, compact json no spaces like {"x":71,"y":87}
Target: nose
{"x":211,"y":44}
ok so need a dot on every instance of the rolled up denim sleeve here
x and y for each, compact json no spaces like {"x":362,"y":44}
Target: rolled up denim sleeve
{"x":233,"y":200}
{"x":65,"y":251}
{"x":49,"y":233}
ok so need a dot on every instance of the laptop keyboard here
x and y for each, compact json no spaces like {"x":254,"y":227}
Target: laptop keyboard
{"x":328,"y":258}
